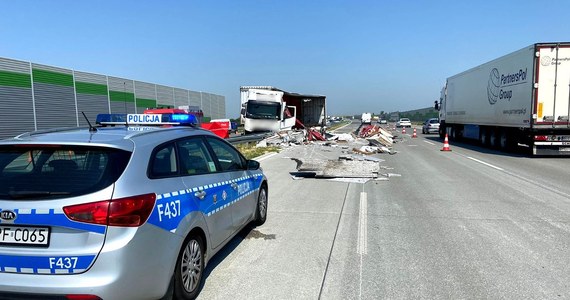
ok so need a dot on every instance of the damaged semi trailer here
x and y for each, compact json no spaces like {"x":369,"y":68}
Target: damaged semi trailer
{"x":266,"y":108}
{"x":519,"y":100}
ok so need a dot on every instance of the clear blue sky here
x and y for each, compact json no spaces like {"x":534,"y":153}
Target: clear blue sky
{"x":363,"y":55}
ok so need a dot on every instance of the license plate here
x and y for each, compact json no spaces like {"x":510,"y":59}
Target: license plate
{"x":24,"y":235}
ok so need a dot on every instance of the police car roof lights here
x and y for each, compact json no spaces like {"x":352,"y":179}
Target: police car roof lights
{"x":180,"y":119}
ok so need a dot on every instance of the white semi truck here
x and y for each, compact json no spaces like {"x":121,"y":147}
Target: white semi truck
{"x":266,"y":108}
{"x":520,"y":99}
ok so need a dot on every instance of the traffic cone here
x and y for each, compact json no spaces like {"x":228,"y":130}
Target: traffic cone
{"x":446,"y":144}
{"x":415,"y":135}
{"x":403,"y":130}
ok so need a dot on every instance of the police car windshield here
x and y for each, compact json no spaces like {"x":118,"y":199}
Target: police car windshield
{"x":50,"y":172}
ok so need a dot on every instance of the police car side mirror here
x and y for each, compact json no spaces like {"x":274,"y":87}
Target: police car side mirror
{"x":253,"y":165}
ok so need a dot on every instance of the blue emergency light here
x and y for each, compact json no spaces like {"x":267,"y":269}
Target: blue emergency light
{"x":103,"y":119}
{"x":148,"y":119}
{"x":181,"y":118}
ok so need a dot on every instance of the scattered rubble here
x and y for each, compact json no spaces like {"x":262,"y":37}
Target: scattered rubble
{"x":357,"y":180}
{"x":342,"y":137}
{"x":360,"y":157}
{"x":374,"y":138}
{"x":392,"y":175}
{"x":350,"y":180}
{"x":336,"y":169}
{"x":357,"y":161}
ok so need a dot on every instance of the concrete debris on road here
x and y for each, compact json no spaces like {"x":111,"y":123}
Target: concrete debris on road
{"x":369,"y":150}
{"x":360,"y":157}
{"x":373,"y":138}
{"x":350,"y":180}
{"x":343,"y":157}
{"x":338,"y":168}
{"x":342,"y":137}
{"x":391,"y":175}
{"x":286,"y":138}
{"x":373,"y":130}
{"x":378,"y":137}
{"x":357,"y":180}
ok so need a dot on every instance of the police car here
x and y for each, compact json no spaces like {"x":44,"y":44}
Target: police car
{"x":122,"y":210}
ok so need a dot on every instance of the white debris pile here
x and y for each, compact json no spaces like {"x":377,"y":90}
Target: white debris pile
{"x":355,"y":161}
{"x":342,"y":137}
{"x":291,"y":137}
{"x":336,"y":168}
{"x":372,"y":140}
{"x":360,"y":158}
{"x":379,"y":140}
{"x":284,"y":138}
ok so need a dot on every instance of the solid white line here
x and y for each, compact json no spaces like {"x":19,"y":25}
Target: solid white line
{"x":429,"y":143}
{"x":487,"y":164}
{"x":362,"y":247}
{"x":265,"y":156}
{"x":531,"y":181}
{"x":362,"y":224}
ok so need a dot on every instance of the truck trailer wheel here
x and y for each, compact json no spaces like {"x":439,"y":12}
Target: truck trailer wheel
{"x":503,"y":140}
{"x":441,"y":130}
{"x":483,"y":136}
{"x":493,"y":139}
{"x":454,"y":133}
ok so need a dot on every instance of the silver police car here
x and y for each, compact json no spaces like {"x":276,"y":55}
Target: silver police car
{"x":122,"y":210}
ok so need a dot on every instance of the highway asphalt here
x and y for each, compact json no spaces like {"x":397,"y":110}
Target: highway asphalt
{"x":467,"y":223}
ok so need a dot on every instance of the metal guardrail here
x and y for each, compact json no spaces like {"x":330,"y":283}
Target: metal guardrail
{"x":250,"y":138}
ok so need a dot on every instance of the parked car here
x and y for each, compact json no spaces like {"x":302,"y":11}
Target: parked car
{"x":383,"y":121}
{"x":430,"y":126}
{"x":122,"y":211}
{"x":404,"y":122}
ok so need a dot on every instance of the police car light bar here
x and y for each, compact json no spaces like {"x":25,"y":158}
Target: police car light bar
{"x":147,"y":119}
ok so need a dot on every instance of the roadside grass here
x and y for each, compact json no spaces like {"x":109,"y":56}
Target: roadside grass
{"x":250,"y":151}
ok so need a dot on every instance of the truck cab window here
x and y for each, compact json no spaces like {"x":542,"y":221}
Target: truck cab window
{"x":263,"y":110}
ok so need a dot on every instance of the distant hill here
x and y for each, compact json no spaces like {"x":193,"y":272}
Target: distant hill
{"x":417,"y":115}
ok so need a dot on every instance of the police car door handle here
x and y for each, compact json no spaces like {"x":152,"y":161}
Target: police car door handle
{"x":234,"y":186}
{"x":200,"y":194}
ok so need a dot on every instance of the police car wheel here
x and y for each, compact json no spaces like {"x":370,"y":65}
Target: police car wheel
{"x":189,"y":269}
{"x":261,"y":211}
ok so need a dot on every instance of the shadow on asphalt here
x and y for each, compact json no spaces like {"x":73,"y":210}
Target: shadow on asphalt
{"x":248,"y":232}
{"x":473,"y":145}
